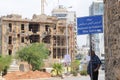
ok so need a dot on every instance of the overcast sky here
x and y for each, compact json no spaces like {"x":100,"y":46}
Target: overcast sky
{"x":27,"y":8}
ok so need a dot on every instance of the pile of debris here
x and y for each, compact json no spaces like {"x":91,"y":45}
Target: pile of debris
{"x":26,"y":75}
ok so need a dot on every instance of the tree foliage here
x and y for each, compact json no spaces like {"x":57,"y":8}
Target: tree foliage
{"x":33,"y":54}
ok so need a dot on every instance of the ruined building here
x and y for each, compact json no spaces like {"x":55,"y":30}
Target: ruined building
{"x":63,"y":14}
{"x":112,"y":39}
{"x":16,"y":32}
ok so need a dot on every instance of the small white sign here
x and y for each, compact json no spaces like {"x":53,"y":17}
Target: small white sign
{"x":67,"y":58}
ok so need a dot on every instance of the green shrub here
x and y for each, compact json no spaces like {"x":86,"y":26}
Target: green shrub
{"x":83,"y":72}
{"x":53,"y":73}
{"x":75,"y":65}
{"x":75,"y":73}
{"x":57,"y":69}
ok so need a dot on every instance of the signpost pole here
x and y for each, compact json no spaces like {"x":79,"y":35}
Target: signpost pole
{"x":90,"y":38}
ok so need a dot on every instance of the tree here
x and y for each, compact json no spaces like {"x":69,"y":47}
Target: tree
{"x":4,"y":63}
{"x":34,"y":55}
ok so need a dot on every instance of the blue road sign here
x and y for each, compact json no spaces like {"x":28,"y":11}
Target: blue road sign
{"x":89,"y":25}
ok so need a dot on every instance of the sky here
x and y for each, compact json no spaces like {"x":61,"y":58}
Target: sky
{"x":27,"y":8}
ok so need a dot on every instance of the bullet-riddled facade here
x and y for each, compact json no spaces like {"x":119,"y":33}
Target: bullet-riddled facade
{"x":112,"y":39}
{"x":16,"y":32}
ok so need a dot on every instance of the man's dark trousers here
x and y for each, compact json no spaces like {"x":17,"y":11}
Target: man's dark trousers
{"x":94,"y":75}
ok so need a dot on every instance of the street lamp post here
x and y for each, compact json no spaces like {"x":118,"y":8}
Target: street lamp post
{"x":67,"y":31}
{"x":66,"y":36}
{"x":67,"y":58}
{"x":67,"y":54}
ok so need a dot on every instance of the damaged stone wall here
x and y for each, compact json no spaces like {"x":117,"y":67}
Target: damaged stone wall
{"x":112,"y":39}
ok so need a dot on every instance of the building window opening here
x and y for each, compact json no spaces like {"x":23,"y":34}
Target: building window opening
{"x":10,"y":40}
{"x":10,"y":52}
{"x":54,"y":53}
{"x":54,"y":42}
{"x":55,"y":27}
{"x":22,"y":39}
{"x":22,"y":27}
{"x":63,"y":52}
{"x":58,"y":53}
{"x":34,"y":27}
{"x":34,"y":38}
{"x":63,"y":42}
{"x":58,"y":41}
{"x":10,"y":27}
{"x":47,"y":28}
{"x":46,"y":39}
{"x":63,"y":55}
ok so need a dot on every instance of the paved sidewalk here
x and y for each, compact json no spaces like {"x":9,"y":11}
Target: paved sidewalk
{"x":72,"y":78}
{"x":101,"y":77}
